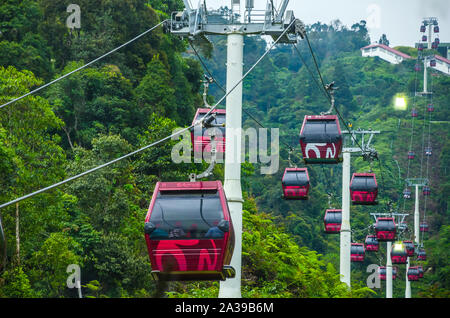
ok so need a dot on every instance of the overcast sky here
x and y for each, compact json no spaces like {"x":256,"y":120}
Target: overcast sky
{"x":400,"y":20}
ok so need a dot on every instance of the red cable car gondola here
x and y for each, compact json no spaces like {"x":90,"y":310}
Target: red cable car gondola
{"x":189,"y":232}
{"x":413,"y":273}
{"x":433,"y":63}
{"x":423,"y":227}
{"x":398,"y":253}
{"x":357,"y":252}
{"x":430,"y":108}
{"x":420,"y":47}
{"x":420,"y":268}
{"x":372,"y":243}
{"x":385,"y":229}
{"x":295,"y":183}
{"x":426,"y":190}
{"x":436,"y":29}
{"x":421,"y":255}
{"x":434,"y":45}
{"x":428,"y":151}
{"x":437,"y":41}
{"x":411,"y":155}
{"x":409,"y":245}
{"x":321,"y":139}
{"x":414,"y":112}
{"x":364,"y":189}
{"x":332,"y":221}
{"x":422,"y":28}
{"x":201,"y":140}
{"x":424,"y":38}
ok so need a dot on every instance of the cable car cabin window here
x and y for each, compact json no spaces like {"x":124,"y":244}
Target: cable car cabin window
{"x":357,"y":249}
{"x":333,"y":217}
{"x":219,"y":120}
{"x":319,"y":131}
{"x":295,"y":178}
{"x":193,"y":215}
{"x":363,"y":183}
{"x":385,"y":225}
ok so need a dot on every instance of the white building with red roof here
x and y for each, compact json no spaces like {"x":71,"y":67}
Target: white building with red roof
{"x":384,"y":52}
{"x":442,"y":64}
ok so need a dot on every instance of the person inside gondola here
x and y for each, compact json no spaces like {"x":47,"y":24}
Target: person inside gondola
{"x":177,"y":231}
{"x":214,"y":231}
{"x":159,"y":233}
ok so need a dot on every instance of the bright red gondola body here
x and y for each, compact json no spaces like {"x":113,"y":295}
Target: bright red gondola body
{"x":332,"y":221}
{"x":189,"y":232}
{"x":201,"y":140}
{"x":295,"y":184}
{"x":409,"y":245}
{"x":364,"y":189}
{"x":385,"y":229}
{"x":321,"y":139}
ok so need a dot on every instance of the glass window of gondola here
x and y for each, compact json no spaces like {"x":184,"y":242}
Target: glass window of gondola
{"x":382,"y":270}
{"x":385,"y":224}
{"x":332,"y":217}
{"x":371,"y":240}
{"x":363,"y":183}
{"x":316,"y":131}
{"x":357,"y":248}
{"x":295,"y":178}
{"x":219,"y":120}
{"x":185,"y":215}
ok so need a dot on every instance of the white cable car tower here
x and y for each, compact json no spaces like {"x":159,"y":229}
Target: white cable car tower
{"x":231,"y":23}
{"x":345,"y":243}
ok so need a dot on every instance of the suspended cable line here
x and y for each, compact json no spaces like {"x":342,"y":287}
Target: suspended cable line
{"x":82,"y":67}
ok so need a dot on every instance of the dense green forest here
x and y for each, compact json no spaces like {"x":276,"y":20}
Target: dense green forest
{"x":144,"y":91}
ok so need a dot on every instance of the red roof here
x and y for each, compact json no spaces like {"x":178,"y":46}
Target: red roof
{"x":443,"y":59}
{"x":387,"y":48}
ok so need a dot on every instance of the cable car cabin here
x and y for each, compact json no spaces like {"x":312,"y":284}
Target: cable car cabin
{"x":436,"y":29}
{"x":189,"y":232}
{"x":437,"y":41}
{"x":433,"y":63}
{"x":422,"y":28}
{"x":364,"y":189}
{"x":385,"y":229}
{"x":200,"y":137}
{"x":420,"y":47}
{"x":414,"y":112}
{"x":413,"y":273}
{"x":417,"y":66}
{"x":424,"y":38}
{"x":434,"y":45}
{"x":430,"y":108}
{"x":332,"y":221}
{"x":420,"y":268}
{"x":357,"y":252}
{"x":428,"y":151}
{"x":409,"y":245}
{"x":423,"y":227}
{"x":421,"y":255}
{"x":295,"y":184}
{"x":407,"y":194}
{"x":411,"y":155}
{"x":321,"y":139}
{"x":398,"y":253}
{"x":372,"y":243}
{"x":426,"y":190}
